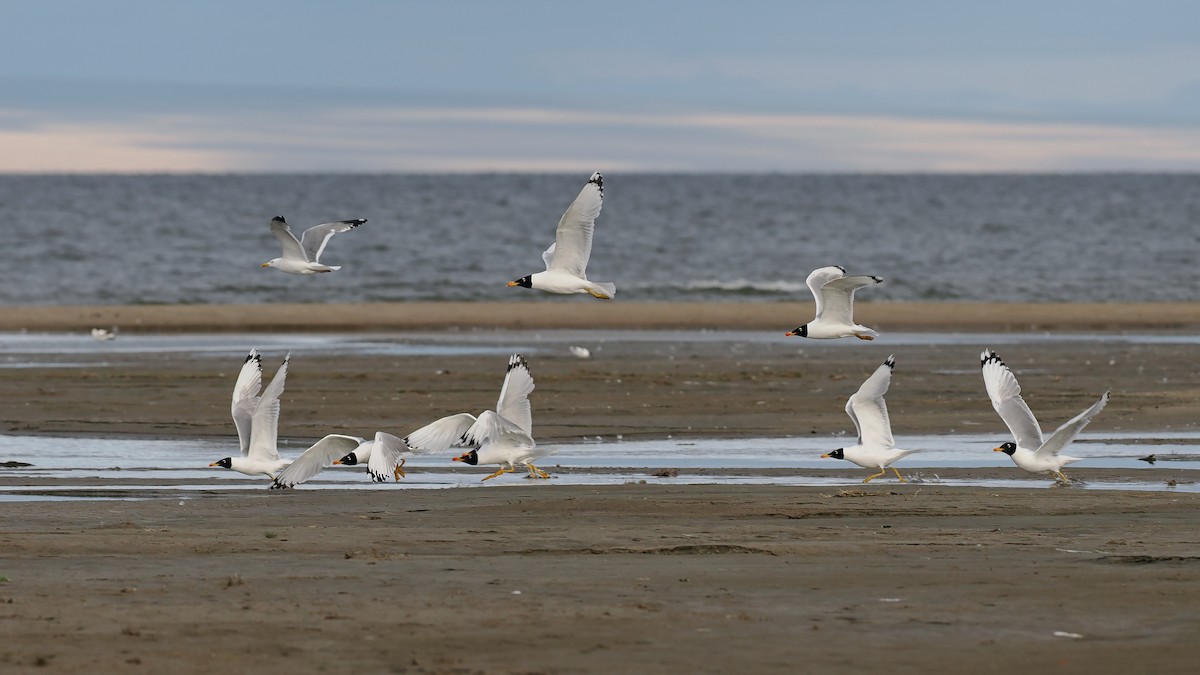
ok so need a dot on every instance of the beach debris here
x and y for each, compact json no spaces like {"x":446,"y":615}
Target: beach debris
{"x":12,"y":464}
{"x":1149,"y":459}
{"x":580,"y":352}
{"x":1063,"y":633}
{"x":103,"y":334}
{"x":665,"y":473}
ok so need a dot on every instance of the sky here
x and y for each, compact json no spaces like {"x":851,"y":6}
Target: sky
{"x":646,"y":85}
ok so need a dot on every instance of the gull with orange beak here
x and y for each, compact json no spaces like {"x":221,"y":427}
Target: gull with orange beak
{"x":303,"y":255}
{"x":876,"y":449}
{"x":503,"y":436}
{"x":833,"y":293}
{"x":382,"y":456}
{"x":1029,"y":451}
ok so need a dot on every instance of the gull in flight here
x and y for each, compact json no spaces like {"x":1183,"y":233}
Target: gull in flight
{"x":257,"y":420}
{"x":876,"y":448}
{"x":303,"y":255}
{"x":382,"y":456}
{"x":503,"y":436}
{"x":833,"y":292}
{"x":1029,"y":451}
{"x":567,"y":258}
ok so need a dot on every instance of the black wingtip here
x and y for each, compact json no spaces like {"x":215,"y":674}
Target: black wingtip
{"x":878,"y":280}
{"x":517,"y":360}
{"x":598,"y":180}
{"x":989,"y":356}
{"x":890,"y":362}
{"x":279,"y":219}
{"x":355,"y":222}
{"x":843,"y":269}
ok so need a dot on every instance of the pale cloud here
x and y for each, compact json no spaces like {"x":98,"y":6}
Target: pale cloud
{"x":530,"y":138}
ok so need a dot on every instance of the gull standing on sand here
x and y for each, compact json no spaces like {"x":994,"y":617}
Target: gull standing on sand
{"x":257,"y":420}
{"x":302,"y":256}
{"x":503,"y":436}
{"x":876,"y":448}
{"x":567,"y":258}
{"x":833,"y":292}
{"x":1030,"y":452}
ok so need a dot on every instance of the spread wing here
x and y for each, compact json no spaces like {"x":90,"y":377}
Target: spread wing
{"x":869,"y":410}
{"x":491,"y":428}
{"x":291,"y":246}
{"x":385,"y":456}
{"x":1005,"y":393}
{"x":573,"y":240}
{"x":264,"y":424}
{"x":513,"y":404}
{"x":837,"y":297}
{"x":817,"y":280}
{"x":314,"y":238}
{"x":313,"y":460}
{"x":439,"y":435}
{"x":245,"y":397}
{"x":1063,"y":435}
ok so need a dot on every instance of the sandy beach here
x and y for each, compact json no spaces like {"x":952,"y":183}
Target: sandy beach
{"x":536,"y":577}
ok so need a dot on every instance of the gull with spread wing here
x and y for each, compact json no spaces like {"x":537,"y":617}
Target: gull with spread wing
{"x":1030,"y":451}
{"x":833,"y":292}
{"x":567,"y":258}
{"x":876,"y":448}
{"x":303,"y":255}
{"x":503,"y":436}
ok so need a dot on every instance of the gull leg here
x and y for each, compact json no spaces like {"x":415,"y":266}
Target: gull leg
{"x":898,"y":475}
{"x":535,"y":472}
{"x":499,"y":472}
{"x":598,"y":294}
{"x":1061,"y":477}
{"x":399,"y":473}
{"x":871,"y":478}
{"x":863,"y":336}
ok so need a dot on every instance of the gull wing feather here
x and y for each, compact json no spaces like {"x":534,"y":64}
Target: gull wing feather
{"x":292,"y":249}
{"x":817,"y":280}
{"x":264,"y":424}
{"x":316,"y":237}
{"x":313,"y":460}
{"x":490,"y":428}
{"x":837,"y":297}
{"x":869,"y":410}
{"x":573,"y":239}
{"x":1005,"y":393}
{"x":385,"y":456}
{"x":439,"y":435}
{"x":513,"y":404}
{"x":245,"y":397}
{"x":1063,"y":435}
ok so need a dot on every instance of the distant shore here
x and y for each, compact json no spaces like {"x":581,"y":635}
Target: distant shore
{"x":586,"y":313}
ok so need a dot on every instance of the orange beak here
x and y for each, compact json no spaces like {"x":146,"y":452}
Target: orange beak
{"x":826,"y":455}
{"x":789,"y":333}
{"x":997,"y":449}
{"x":512,"y":283}
{"x":337,"y":461}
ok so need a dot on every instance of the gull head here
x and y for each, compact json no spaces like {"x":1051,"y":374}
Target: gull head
{"x":349,"y":460}
{"x":226,"y":463}
{"x":1007,"y":448}
{"x":802,"y":331}
{"x":471,"y":458}
{"x":524,"y":282}
{"x":272,"y":262}
{"x":834,"y":454}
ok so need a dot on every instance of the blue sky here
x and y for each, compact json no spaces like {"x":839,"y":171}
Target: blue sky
{"x":358,"y":85}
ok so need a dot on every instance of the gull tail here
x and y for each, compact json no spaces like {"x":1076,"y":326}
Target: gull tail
{"x":603,"y":290}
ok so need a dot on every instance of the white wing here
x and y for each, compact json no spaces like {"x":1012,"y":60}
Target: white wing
{"x":837,"y":297}
{"x":573,"y":239}
{"x":513,"y":404}
{"x":817,"y":280}
{"x":1068,"y":431}
{"x":313,"y":460}
{"x":314,"y":238}
{"x":439,"y":435}
{"x":490,"y":428}
{"x":264,"y":424}
{"x":245,"y":397}
{"x":1005,"y":393}
{"x":385,"y":456}
{"x":869,"y":410}
{"x":291,"y":246}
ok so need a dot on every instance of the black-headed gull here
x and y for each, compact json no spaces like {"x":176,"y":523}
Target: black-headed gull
{"x":1029,"y":451}
{"x":503,"y":436}
{"x":303,"y":256}
{"x":833,"y":292}
{"x":567,"y":258}
{"x":876,"y":448}
{"x":383,"y":456}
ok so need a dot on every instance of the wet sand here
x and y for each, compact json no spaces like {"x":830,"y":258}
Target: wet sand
{"x":633,"y":578}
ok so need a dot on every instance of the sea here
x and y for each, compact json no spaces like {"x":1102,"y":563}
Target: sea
{"x":200,"y":239}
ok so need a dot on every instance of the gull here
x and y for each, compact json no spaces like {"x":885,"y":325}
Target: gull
{"x":503,"y":436}
{"x":383,"y":457}
{"x":876,"y":448}
{"x":302,"y":256}
{"x":1029,"y":451}
{"x":833,"y":292}
{"x":567,"y":258}
{"x":103,"y":334}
